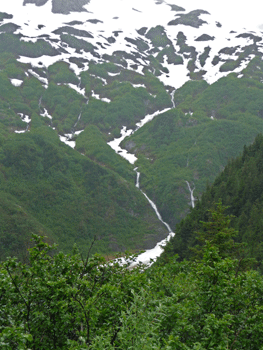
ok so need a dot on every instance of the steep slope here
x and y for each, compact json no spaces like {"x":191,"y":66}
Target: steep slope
{"x":182,"y":150}
{"x":73,"y":73}
{"x":73,"y":198}
{"x":240,"y":188}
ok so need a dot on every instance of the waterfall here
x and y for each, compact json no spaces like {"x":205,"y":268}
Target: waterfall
{"x":73,"y":131}
{"x":137,"y":184}
{"x":192,"y":194}
{"x":149,"y":255}
{"x":153,"y":205}
{"x":172,"y":98}
{"x":157,"y":212}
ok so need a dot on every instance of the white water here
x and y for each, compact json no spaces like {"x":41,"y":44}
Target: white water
{"x":192,"y":194}
{"x":115,"y":145}
{"x":172,"y":98}
{"x":77,"y":122}
{"x":151,"y":254}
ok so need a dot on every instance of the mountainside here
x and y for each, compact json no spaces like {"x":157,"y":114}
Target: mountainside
{"x":183,"y":149}
{"x":171,"y":89}
{"x":240,"y":188}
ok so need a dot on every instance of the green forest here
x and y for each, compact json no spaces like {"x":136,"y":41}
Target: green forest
{"x":74,"y":214}
{"x":204,"y":292}
{"x":70,"y":196}
{"x":58,"y":301}
{"x":193,"y":142}
{"x":239,"y":187}
{"x":75,"y":195}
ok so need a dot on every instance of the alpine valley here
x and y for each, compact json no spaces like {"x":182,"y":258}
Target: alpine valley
{"x":115,"y":116}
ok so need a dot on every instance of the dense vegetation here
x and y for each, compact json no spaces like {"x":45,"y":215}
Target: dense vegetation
{"x":193,"y":142}
{"x":48,"y":188}
{"x":240,"y":188}
{"x":87,"y":97}
{"x":205,"y":292}
{"x":59,"y":301}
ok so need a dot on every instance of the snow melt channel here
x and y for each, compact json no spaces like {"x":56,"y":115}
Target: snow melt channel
{"x":150,"y":255}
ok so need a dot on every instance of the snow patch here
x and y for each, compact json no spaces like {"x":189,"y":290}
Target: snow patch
{"x":16,"y":82}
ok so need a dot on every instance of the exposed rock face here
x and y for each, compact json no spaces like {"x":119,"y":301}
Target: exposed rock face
{"x":67,"y":6}
{"x":205,"y":37}
{"x":176,"y":8}
{"x":36,"y":2}
{"x":190,"y":19}
{"x":9,"y":28}
{"x":61,"y":6}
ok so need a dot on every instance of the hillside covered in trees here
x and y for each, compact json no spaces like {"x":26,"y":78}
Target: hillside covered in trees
{"x":239,"y":187}
{"x":74,"y":79}
{"x":58,"y":301}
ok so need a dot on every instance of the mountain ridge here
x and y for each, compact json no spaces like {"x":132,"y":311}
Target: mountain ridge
{"x":85,"y":77}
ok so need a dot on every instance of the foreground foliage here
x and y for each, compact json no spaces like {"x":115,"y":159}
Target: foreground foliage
{"x":58,"y":301}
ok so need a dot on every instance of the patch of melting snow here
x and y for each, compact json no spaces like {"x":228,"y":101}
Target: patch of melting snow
{"x":105,"y":99}
{"x":16,"y":82}
{"x":115,"y":145}
{"x":97,"y":96}
{"x":41,"y":79}
{"x":26,"y":119}
{"x":150,"y":117}
{"x":150,"y":255}
{"x":30,"y":16}
{"x":76,"y":88}
{"x":66,"y":139}
{"x":177,"y":76}
{"x":138,"y":85}
{"x":113,"y":74}
{"x":98,"y":77}
{"x":46,"y":114}
{"x":140,"y":70}
{"x":27,"y":39}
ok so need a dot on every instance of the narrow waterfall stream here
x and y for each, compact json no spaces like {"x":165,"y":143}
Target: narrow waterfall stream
{"x":150,"y":201}
{"x":154,"y":253}
{"x":150,"y":254}
{"x":172,"y":98}
{"x":192,"y":194}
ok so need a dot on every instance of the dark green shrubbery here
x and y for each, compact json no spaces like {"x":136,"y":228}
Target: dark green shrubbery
{"x":58,"y":301}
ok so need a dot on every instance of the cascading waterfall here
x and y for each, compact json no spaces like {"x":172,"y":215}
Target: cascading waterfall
{"x":192,"y":194}
{"x":137,"y":184}
{"x":73,"y":132}
{"x":150,"y":254}
{"x":39,"y":103}
{"x":172,"y":97}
